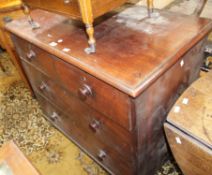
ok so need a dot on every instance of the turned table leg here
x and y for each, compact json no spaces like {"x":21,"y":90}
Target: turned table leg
{"x":150,"y":7}
{"x":33,"y":24}
{"x":87,"y":17}
{"x":200,"y":6}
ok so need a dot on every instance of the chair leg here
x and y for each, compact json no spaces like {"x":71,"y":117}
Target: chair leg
{"x":87,"y":17}
{"x":33,"y":24}
{"x":200,"y":6}
{"x":150,"y":7}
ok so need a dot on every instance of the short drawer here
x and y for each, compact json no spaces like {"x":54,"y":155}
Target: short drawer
{"x":77,"y":129}
{"x":101,"y":127}
{"x":97,"y":94}
{"x":37,"y":57}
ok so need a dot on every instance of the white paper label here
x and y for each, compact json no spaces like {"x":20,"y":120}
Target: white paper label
{"x":178,"y":140}
{"x":185,"y":101}
{"x":176,"y":109}
{"x":66,"y":50}
{"x":182,"y":63}
{"x":53,"y":44}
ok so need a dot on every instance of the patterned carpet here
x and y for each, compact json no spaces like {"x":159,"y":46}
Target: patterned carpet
{"x":21,"y":120}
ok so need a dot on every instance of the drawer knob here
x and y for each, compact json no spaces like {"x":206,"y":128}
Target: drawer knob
{"x":31,"y":55}
{"x":43,"y":86}
{"x":94,"y":125}
{"x":84,"y":92}
{"x":102,"y":155}
{"x":54,"y":116}
{"x":67,"y":1}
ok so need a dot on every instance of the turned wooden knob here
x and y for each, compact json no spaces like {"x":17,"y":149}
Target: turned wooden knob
{"x":84,"y":92}
{"x":31,"y":55}
{"x":102,"y":155}
{"x":43,"y":86}
{"x":67,"y":1}
{"x":54,"y":116}
{"x":94,"y":125}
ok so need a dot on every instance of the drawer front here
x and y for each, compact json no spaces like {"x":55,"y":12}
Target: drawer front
{"x":92,"y":121}
{"x":100,"y":96}
{"x":35,"y":56}
{"x":78,"y":131}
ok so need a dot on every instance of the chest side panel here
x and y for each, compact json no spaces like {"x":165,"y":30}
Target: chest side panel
{"x":154,"y":103}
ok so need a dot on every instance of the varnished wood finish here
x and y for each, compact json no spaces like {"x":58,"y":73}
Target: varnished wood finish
{"x":188,"y":128}
{"x":158,"y":99}
{"x":14,"y":159}
{"x":80,"y":111}
{"x":197,"y":113}
{"x":74,"y":79}
{"x":192,"y":157}
{"x":77,"y":129}
{"x":130,"y":83}
{"x":131,"y":65}
{"x":87,"y":10}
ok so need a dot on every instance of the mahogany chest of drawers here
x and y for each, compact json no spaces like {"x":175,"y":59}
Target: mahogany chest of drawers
{"x":113,"y":103}
{"x":188,"y":128}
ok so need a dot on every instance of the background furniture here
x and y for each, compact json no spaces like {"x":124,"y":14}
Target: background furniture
{"x":188,"y":128}
{"x":9,"y":10}
{"x":86,"y":10}
{"x":113,"y":103}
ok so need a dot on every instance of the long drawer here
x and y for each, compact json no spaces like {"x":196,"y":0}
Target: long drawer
{"x":90,"y":120}
{"x":97,"y":94}
{"x":78,"y":131}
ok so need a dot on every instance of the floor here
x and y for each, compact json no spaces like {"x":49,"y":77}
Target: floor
{"x":49,"y":151}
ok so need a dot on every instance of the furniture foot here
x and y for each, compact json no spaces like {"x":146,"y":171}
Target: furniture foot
{"x":91,"y":40}
{"x":150,"y":7}
{"x":87,"y":17}
{"x":90,"y":49}
{"x":33,"y":24}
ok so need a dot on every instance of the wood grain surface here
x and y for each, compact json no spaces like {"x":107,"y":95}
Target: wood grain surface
{"x":129,"y":48}
{"x":141,"y":67}
{"x":195,"y":117}
{"x":192,"y":157}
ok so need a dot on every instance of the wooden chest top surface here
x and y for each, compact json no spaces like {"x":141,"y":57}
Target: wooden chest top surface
{"x":133,"y":50}
{"x":192,"y":112}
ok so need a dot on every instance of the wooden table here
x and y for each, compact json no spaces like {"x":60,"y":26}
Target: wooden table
{"x":189,"y":128}
{"x":86,"y":10}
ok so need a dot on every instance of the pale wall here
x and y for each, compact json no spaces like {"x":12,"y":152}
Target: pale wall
{"x":157,"y":3}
